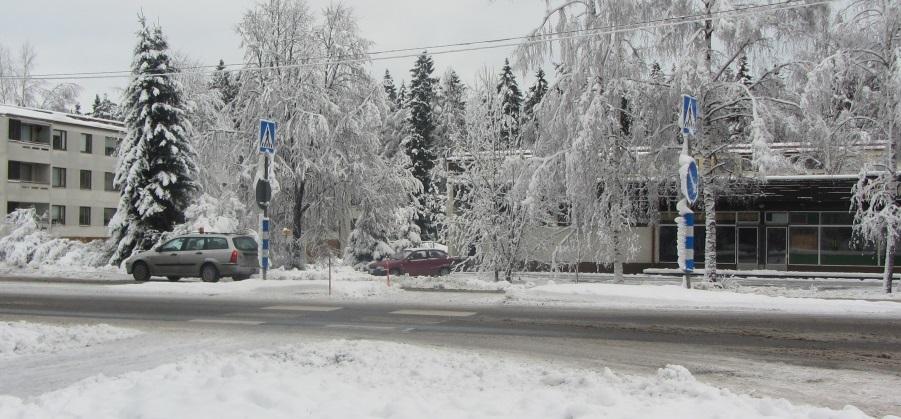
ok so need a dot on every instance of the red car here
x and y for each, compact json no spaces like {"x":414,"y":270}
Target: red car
{"x":415,"y":262}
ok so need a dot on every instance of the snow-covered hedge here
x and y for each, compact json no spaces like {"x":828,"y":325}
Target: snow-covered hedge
{"x":24,"y":244}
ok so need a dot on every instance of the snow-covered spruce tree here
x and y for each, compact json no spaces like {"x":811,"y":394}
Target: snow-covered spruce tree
{"x":451,"y":112}
{"x":156,"y":166}
{"x":595,"y":121}
{"x":330,"y":117}
{"x":511,"y":105}
{"x":421,"y":145}
{"x":491,"y":181}
{"x":533,"y":99}
{"x":390,"y":88}
{"x":105,"y":108}
{"x":225,"y":83}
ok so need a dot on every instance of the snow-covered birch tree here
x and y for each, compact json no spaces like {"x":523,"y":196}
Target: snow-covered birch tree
{"x":330,"y":115}
{"x":156,"y":166}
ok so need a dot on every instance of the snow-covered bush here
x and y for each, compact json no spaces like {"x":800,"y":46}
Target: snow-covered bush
{"x":24,"y":244}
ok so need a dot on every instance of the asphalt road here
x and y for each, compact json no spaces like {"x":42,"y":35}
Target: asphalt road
{"x":803,"y":358}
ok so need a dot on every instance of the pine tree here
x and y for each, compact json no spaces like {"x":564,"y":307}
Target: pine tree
{"x":390,"y":90}
{"x":420,"y":146}
{"x":511,"y":104}
{"x":743,"y":74}
{"x":657,"y":75}
{"x":77,"y":110}
{"x":223,"y":82}
{"x":451,"y":111}
{"x":156,"y":165}
{"x":536,"y":93}
{"x":402,"y":95}
{"x":97,"y":106}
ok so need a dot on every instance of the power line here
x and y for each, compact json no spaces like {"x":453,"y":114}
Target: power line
{"x":468,"y":46}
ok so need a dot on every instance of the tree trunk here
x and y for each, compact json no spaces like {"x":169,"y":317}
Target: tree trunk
{"x":296,"y":246}
{"x":617,"y":257}
{"x":710,"y":233}
{"x":888,"y":273}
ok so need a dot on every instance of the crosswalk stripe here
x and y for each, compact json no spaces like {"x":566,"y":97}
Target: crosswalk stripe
{"x":226,"y":321}
{"x":444,"y":313}
{"x":359,"y":326}
{"x":302,"y":308}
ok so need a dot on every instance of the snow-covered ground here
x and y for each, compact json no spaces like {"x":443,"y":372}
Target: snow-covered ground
{"x":369,"y":379}
{"x":25,"y":338}
{"x":676,"y":297}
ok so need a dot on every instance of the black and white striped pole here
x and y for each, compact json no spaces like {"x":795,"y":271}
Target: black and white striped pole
{"x":689,"y":179}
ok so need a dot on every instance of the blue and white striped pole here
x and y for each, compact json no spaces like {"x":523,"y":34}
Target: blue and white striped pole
{"x":264,"y":256}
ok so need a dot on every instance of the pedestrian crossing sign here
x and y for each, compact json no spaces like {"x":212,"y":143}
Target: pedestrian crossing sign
{"x":267,"y":136}
{"x":689,"y":117}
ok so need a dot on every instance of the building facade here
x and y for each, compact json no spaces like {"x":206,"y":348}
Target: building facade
{"x":61,"y":165}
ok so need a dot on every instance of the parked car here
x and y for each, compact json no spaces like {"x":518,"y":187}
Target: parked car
{"x":209,"y":256}
{"x":415,"y":262}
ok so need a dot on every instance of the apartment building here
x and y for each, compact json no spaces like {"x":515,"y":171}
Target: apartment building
{"x":63,"y":166}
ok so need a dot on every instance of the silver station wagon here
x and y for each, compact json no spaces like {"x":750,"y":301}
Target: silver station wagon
{"x":209,"y":256}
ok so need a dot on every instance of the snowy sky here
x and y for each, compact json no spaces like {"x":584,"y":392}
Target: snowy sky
{"x":98,"y":35}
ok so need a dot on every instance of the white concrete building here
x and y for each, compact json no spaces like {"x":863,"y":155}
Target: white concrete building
{"x":63,"y":166}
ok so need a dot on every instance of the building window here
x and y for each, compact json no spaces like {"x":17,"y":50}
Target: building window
{"x":839,"y":247}
{"x":108,"y":214}
{"x":26,"y":172}
{"x":85,"y":179}
{"x":58,"y":214}
{"x":725,"y":244}
{"x":59,"y":177}
{"x":60,"y":139}
{"x":20,"y":131}
{"x":803,"y":245}
{"x":84,"y":216}
{"x":108,"y":181}
{"x":87,"y":143}
{"x":109,"y":146}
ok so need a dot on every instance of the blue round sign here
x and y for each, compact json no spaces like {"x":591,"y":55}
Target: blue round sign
{"x":691,"y":182}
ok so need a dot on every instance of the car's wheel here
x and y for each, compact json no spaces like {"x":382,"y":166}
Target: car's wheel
{"x":209,"y":273}
{"x":173,"y":278}
{"x":444,"y":271}
{"x":395,"y":272}
{"x":140,"y":272}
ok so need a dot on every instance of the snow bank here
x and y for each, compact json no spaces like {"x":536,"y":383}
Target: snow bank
{"x":23,"y":338}
{"x":24,"y":245}
{"x":365,"y":379}
{"x":676,"y":297}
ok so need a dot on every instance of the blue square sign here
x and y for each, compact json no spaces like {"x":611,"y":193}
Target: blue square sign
{"x":267,"y":136}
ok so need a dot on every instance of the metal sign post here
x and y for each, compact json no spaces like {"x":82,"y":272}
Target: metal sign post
{"x":264,"y":189}
{"x":690,"y":181}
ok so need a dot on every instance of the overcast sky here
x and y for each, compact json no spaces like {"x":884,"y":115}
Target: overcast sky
{"x":99,"y":35}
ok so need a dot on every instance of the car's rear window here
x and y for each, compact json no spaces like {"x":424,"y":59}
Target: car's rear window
{"x":215,"y":243}
{"x":245,"y":243}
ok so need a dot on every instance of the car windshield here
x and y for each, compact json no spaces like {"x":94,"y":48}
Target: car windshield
{"x":401,"y":255}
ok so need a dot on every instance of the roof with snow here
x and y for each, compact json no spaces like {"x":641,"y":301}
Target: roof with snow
{"x":61,"y":117}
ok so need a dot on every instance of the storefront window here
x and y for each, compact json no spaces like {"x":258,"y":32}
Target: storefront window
{"x":837,"y":218}
{"x":837,"y":247}
{"x":775,"y":246}
{"x":802,"y":218}
{"x":725,"y":244}
{"x":748,"y":217}
{"x":777,"y":218}
{"x":667,"y":243}
{"x":803,"y":243}
{"x":747,"y":245}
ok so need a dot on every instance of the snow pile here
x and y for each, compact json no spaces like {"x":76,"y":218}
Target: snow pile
{"x":365,"y":379}
{"x":24,"y":245}
{"x":455,"y":281}
{"x":676,"y":297}
{"x":23,"y":338}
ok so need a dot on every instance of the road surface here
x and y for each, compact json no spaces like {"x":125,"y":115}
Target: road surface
{"x":821,"y":360}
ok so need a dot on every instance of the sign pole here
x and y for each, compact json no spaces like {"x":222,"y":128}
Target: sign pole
{"x":690,"y":181}
{"x":264,"y":189}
